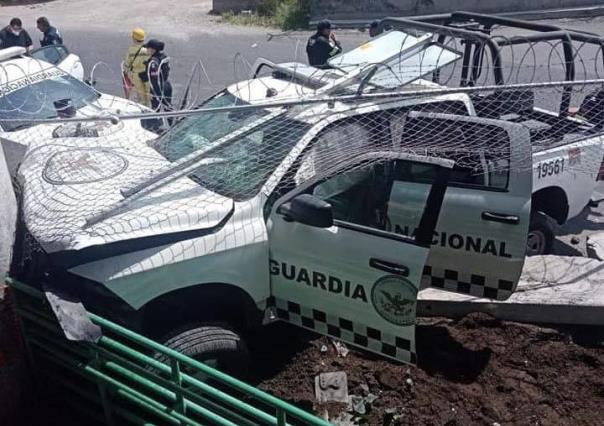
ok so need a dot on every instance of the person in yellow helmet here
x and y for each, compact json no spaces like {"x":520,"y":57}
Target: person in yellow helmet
{"x":134,"y":64}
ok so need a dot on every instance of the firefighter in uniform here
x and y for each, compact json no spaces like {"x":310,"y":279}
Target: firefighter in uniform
{"x":157,"y":74}
{"x":134,"y":65}
{"x":322,"y":45}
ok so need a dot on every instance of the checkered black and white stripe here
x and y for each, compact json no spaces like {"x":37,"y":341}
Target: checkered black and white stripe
{"x":467,"y":283}
{"x":396,"y":347}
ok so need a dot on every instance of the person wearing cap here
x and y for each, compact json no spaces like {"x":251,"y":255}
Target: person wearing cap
{"x":322,"y":45}
{"x":373,"y":28}
{"x":14,"y":35}
{"x":157,"y":74}
{"x":51,"y":35}
{"x":134,"y":65}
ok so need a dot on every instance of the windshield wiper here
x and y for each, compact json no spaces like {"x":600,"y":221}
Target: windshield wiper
{"x":20,"y":126}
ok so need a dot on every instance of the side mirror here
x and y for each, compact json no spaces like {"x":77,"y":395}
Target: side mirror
{"x":309,"y":210}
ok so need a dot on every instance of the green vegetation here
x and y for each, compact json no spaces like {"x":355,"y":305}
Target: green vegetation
{"x":284,"y":14}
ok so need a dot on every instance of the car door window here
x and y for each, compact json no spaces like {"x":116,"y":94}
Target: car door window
{"x":358,"y":196}
{"x":370,"y":194}
{"x":481,"y":154}
{"x":53,"y":54}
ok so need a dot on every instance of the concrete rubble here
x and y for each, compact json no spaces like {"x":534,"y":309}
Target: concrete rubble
{"x":331,"y":387}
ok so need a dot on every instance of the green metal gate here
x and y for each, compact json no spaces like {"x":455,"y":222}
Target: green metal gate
{"x":119,"y":380}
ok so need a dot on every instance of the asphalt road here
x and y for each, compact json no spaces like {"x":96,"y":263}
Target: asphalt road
{"x":226,"y":58}
{"x":220,"y":56}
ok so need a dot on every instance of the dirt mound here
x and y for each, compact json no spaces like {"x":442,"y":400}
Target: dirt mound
{"x":477,"y":370}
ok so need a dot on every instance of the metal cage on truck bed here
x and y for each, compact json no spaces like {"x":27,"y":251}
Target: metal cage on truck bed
{"x":119,"y":379}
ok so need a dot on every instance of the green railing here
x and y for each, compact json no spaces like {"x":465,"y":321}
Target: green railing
{"x":126,"y":383}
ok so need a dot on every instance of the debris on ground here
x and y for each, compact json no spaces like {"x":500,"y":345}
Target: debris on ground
{"x":595,"y":246}
{"x":360,"y":404}
{"x":341,"y":348}
{"x":343,"y":419}
{"x":476,"y":370}
{"x":331,"y":387}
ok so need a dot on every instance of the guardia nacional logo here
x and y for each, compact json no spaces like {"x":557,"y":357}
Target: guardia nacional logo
{"x":394,"y":298}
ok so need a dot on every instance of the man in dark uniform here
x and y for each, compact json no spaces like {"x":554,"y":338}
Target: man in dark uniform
{"x":51,"y":34}
{"x":157,"y":74}
{"x":373,"y":28}
{"x":322,"y":45}
{"x":15,"y":35}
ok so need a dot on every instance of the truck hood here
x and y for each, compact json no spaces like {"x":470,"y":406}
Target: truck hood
{"x":66,"y":181}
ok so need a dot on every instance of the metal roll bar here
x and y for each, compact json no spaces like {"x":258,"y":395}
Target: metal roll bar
{"x":476,"y":34}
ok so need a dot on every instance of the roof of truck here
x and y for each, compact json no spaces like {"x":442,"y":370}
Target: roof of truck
{"x":22,"y":69}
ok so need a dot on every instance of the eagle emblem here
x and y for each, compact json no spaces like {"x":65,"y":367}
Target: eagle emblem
{"x":394,"y":298}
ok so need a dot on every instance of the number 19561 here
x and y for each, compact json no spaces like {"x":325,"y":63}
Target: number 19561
{"x":549,"y":168}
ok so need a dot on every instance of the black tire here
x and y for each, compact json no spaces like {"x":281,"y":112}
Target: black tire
{"x":216,"y":345}
{"x":540,"y":236}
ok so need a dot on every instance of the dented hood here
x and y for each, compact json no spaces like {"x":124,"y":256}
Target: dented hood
{"x":67,"y":181}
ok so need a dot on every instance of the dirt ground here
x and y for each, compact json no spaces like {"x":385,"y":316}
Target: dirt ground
{"x":477,"y":370}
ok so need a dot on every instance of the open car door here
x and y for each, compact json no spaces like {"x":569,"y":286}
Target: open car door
{"x":336,"y":268}
{"x":59,"y":56}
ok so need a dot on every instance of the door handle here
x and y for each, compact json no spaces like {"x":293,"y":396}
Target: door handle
{"x":501,"y":218}
{"x":391,"y":268}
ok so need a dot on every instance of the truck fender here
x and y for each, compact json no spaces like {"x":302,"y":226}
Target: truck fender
{"x":200,"y":303}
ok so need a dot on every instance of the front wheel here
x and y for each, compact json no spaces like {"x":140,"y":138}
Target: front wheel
{"x":540,"y":235}
{"x":214,"y":345}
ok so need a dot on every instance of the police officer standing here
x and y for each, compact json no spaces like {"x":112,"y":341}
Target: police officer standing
{"x":134,"y":64}
{"x":52,"y":36}
{"x":14,"y":35}
{"x":322,"y":45}
{"x":157,"y":73}
{"x":373,"y":28}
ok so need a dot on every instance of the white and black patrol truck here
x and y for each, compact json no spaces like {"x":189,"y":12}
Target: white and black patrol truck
{"x":46,"y":84}
{"x":327,"y":215}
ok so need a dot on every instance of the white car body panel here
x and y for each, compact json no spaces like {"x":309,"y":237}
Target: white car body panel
{"x":72,"y":65}
{"x":577,"y":177}
{"x":236,"y":253}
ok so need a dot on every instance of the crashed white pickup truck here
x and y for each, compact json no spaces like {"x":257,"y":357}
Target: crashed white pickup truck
{"x":323,"y":211}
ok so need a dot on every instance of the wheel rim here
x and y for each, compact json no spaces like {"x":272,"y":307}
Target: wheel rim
{"x":535,"y":244}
